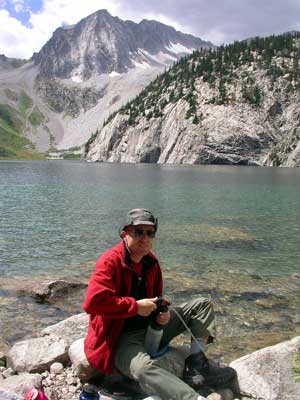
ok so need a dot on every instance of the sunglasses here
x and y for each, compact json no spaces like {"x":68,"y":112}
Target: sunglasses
{"x":138,"y":233}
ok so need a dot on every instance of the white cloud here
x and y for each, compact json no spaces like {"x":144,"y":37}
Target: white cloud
{"x":15,"y":39}
{"x":18,"y":40}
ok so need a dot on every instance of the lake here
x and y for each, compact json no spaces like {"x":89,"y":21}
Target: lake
{"x":56,"y":215}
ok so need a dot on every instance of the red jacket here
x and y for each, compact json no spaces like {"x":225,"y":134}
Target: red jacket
{"x":109,"y":303}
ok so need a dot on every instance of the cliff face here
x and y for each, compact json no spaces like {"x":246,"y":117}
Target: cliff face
{"x":251,"y":118}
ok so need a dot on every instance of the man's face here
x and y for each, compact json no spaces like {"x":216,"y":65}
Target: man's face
{"x":139,"y":239}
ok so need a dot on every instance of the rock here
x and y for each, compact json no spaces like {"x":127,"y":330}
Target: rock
{"x":295,"y":276}
{"x":52,"y":290}
{"x":70,"y":329}
{"x":36,"y":355}
{"x":2,"y":359}
{"x":214,"y":396}
{"x":268,"y":373}
{"x":7,"y":373}
{"x":8,"y":395}
{"x":56,"y":368}
{"x":226,"y":394}
{"x":80,"y":364}
{"x":275,"y":109}
{"x":18,"y":384}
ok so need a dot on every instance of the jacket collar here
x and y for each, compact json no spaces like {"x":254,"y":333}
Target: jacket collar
{"x":148,"y":260}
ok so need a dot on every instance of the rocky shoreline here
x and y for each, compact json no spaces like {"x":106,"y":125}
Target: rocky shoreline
{"x":252,"y":313}
{"x":55,"y":362}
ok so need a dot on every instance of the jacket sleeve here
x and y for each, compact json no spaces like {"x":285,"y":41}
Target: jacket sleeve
{"x":101,"y":297}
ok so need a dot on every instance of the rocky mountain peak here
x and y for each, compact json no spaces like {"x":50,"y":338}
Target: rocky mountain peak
{"x":101,"y":43}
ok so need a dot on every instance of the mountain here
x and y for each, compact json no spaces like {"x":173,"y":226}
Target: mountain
{"x":84,"y":73}
{"x":237,"y":104}
{"x":104,"y":44}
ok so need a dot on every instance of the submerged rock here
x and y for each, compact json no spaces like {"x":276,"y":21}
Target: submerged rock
{"x":296,"y":276}
{"x":52,"y":290}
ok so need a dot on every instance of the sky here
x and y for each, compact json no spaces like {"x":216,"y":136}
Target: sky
{"x":26,"y":25}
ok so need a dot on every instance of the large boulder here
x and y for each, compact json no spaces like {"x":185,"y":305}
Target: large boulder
{"x":19,"y":384}
{"x":269,"y":373}
{"x":36,"y":355}
{"x":172,"y":360}
{"x":70,"y":329}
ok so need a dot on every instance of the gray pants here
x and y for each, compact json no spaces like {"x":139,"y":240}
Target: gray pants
{"x":132,"y":360}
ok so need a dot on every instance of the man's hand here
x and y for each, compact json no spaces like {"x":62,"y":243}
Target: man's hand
{"x":146,"y":306}
{"x":163,"y":318}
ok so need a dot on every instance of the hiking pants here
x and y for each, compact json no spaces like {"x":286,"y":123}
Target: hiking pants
{"x":132,"y":360}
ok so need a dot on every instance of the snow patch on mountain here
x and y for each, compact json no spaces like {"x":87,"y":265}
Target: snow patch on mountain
{"x":113,"y":74}
{"x":178,"y":48}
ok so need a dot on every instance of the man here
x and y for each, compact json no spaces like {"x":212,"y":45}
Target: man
{"x":121,"y":301}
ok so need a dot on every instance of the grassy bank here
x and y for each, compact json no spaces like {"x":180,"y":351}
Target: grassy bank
{"x":12,"y":144}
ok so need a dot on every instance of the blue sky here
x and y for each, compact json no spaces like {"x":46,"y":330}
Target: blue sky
{"x":26,"y":25}
{"x":21,"y":9}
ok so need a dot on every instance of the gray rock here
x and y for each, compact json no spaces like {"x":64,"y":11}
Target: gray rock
{"x":56,"y":368}
{"x":295,"y":276}
{"x":7,"y":373}
{"x":80,"y":364}
{"x":36,"y":355}
{"x":2,"y":359}
{"x":8,"y":395}
{"x":52,"y":290}
{"x":268,"y":373}
{"x":70,"y":329}
{"x":19,"y":384}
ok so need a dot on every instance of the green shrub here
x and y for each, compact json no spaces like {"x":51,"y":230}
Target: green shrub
{"x":36,"y":117}
{"x":296,"y":367}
